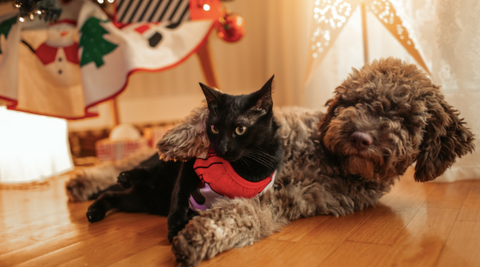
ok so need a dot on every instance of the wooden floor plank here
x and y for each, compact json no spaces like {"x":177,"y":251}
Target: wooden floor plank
{"x":357,"y":254}
{"x":158,"y":255}
{"x":422,"y":240}
{"x":449,"y":195}
{"x":79,"y":233}
{"x":335,"y":230}
{"x":120,"y":250}
{"x":299,"y":228}
{"x":389,"y":220}
{"x":463,"y":245}
{"x":470,"y":210}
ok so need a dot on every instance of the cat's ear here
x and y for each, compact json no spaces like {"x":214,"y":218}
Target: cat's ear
{"x":212,"y":95}
{"x":263,"y":97}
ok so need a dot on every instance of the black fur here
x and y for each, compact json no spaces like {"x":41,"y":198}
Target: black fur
{"x":147,"y":188}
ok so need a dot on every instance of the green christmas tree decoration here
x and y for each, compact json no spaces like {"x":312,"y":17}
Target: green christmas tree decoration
{"x":93,"y":43}
{"x":5,"y":27}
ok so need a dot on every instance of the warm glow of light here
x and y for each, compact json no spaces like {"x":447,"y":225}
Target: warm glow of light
{"x":239,"y":21}
{"x":21,"y":19}
{"x":110,"y":1}
{"x":206,"y":7}
{"x":32,"y":147}
{"x":100,"y":1}
{"x":328,"y":17}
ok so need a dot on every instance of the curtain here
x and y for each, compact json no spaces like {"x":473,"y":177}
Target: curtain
{"x":450,"y":30}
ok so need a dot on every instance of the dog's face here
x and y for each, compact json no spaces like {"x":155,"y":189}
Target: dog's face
{"x":387,"y":116}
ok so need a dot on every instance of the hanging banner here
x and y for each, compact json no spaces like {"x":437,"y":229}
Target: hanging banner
{"x":64,"y":69}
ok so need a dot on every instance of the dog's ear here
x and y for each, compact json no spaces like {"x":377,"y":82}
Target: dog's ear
{"x":325,"y":121}
{"x":187,"y":139}
{"x":331,"y":105}
{"x":445,"y":138}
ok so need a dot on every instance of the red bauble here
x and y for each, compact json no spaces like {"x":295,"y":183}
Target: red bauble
{"x":231,"y":28}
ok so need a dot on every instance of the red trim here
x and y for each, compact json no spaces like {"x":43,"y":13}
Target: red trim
{"x":13,"y":105}
{"x":68,"y":21}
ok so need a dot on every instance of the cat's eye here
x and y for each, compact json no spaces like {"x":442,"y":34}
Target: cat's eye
{"x":240,"y":130}
{"x":213,"y":129}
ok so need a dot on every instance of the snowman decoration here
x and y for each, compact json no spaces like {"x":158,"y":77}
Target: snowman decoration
{"x":59,"y":54}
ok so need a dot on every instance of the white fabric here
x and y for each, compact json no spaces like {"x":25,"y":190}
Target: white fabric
{"x":32,"y":147}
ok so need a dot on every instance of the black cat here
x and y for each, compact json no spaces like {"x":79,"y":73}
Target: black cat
{"x":245,"y":152}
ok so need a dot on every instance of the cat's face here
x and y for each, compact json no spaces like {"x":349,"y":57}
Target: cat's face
{"x":239,"y":123}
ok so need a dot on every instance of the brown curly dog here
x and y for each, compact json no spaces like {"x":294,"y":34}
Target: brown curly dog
{"x":382,"y":119}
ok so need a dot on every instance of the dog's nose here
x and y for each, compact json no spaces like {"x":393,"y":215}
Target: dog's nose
{"x":361,"y":140}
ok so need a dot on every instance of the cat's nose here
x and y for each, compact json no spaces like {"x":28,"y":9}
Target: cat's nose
{"x":361,"y":140}
{"x":223,"y":149}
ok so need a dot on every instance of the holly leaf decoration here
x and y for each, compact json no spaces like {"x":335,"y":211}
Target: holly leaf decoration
{"x":93,"y":43}
{"x":5,"y":27}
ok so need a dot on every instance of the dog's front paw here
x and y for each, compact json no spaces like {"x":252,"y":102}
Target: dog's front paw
{"x":187,"y":254}
{"x":77,"y":187}
{"x":95,"y":213}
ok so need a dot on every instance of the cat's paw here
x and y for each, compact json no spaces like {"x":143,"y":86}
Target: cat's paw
{"x":95,"y":213}
{"x":125,"y":179}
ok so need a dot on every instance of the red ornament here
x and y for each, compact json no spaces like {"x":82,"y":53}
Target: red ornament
{"x":231,"y":28}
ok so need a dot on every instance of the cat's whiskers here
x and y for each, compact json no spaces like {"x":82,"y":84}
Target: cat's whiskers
{"x":262,"y":158}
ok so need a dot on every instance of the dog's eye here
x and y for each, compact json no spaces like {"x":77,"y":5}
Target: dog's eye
{"x":214,"y":129}
{"x":240,"y":130}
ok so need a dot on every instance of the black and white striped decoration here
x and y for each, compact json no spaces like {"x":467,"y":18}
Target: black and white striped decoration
{"x":130,"y":11}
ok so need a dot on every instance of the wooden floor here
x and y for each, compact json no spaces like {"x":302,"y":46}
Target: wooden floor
{"x":416,"y":224}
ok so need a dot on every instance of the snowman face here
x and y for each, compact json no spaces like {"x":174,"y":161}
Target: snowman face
{"x":60,"y":35}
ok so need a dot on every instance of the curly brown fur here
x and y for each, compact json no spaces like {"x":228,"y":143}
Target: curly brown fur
{"x":87,"y":182}
{"x":382,"y":119}
{"x":188,"y":139}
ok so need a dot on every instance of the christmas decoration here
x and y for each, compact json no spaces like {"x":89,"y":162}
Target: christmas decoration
{"x":173,"y":12}
{"x":45,"y":72}
{"x":331,"y":15}
{"x":231,"y":27}
{"x":42,"y":8}
{"x":93,"y":43}
{"x":59,"y":54}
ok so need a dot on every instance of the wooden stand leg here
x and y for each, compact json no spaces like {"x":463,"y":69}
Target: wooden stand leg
{"x":114,"y":109}
{"x":206,"y":62}
{"x":365,"y":33}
